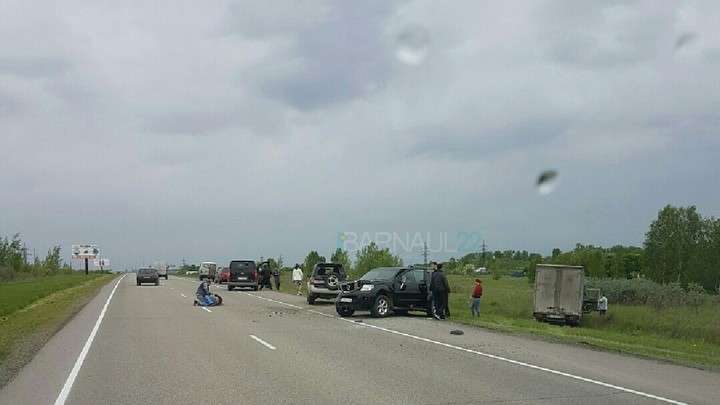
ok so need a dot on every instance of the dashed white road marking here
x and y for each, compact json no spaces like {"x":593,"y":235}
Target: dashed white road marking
{"x":487,"y":355}
{"x":272,"y":300}
{"x":184,"y":296}
{"x":62,"y":397}
{"x":262,"y":342}
{"x":205,"y":308}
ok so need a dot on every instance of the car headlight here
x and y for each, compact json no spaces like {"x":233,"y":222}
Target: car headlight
{"x":367,"y":287}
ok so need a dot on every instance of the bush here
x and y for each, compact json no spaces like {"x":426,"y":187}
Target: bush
{"x":643,"y":291}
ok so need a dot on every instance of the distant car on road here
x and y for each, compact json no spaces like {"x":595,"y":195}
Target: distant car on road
{"x":385,"y":290}
{"x":242,"y":273}
{"x":222,"y":275}
{"x":207,"y":270}
{"x":324,"y":281}
{"x":147,"y":275}
{"x":163,"y":271}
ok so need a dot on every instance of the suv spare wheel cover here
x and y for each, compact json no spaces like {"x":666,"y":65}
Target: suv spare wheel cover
{"x":332,"y":282}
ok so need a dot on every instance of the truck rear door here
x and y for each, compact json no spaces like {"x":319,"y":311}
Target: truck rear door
{"x":545,"y":281}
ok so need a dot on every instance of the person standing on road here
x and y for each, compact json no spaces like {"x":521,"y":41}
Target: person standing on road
{"x":265,"y":277}
{"x":476,"y":295}
{"x":603,"y":305}
{"x":440,"y":289}
{"x":276,"y":276}
{"x":297,"y":277}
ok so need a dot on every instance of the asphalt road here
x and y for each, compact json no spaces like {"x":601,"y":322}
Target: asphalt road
{"x":153,"y":347}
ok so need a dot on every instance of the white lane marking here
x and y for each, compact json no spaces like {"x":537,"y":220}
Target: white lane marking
{"x":494,"y":357}
{"x":262,"y":342}
{"x":184,"y":296}
{"x":321,"y":313}
{"x":206,"y":309}
{"x":272,"y":300}
{"x":62,"y":397}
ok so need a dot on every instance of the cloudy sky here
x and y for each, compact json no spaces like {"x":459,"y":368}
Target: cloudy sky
{"x":166,"y":130}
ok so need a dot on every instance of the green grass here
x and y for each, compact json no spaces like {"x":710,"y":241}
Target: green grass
{"x":33,"y":310}
{"x":683,"y":334}
{"x":15,"y":295}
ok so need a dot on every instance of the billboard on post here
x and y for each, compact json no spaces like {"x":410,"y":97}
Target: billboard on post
{"x":85,"y":251}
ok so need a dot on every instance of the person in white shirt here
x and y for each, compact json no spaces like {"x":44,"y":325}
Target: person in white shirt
{"x":297,"y":277}
{"x":602,"y":305}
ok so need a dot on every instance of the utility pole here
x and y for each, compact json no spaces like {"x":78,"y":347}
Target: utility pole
{"x":24,"y":249}
{"x":425,"y":254}
{"x":484,"y":251}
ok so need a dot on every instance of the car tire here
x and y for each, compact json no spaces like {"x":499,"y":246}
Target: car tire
{"x":138,"y":283}
{"x":230,"y":287}
{"x":311,"y":299}
{"x":381,"y":306}
{"x":255,"y":288}
{"x":157,"y":282}
{"x":345,"y":311}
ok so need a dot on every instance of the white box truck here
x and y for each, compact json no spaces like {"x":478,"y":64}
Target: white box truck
{"x":207,"y":270}
{"x":559,"y":294}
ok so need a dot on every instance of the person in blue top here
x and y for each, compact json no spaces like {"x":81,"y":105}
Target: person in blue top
{"x":203,"y":294}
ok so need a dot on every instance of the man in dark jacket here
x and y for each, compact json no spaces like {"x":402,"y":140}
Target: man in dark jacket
{"x":276,"y":276}
{"x":265,"y":277}
{"x":440,"y":289}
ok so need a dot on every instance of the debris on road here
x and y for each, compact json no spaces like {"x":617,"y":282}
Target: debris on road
{"x":457,"y":332}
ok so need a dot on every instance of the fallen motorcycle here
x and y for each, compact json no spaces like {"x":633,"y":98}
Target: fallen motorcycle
{"x":217,"y":300}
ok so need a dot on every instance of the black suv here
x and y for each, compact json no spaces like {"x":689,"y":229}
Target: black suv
{"x":325,"y":280}
{"x":147,"y":276}
{"x":243,"y":273}
{"x":385,"y":290}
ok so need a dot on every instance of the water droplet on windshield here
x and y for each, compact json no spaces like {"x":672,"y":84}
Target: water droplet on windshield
{"x":684,"y":39}
{"x":411,"y":44}
{"x":547,"y":181}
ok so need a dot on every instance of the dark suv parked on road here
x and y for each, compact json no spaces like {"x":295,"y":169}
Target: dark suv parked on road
{"x":385,"y":290}
{"x":147,"y":276}
{"x":243,"y":273}
{"x":325,"y":280}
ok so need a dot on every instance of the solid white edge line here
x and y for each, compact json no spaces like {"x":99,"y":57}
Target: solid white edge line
{"x":262,"y":342}
{"x":488,"y":355}
{"x":62,"y":397}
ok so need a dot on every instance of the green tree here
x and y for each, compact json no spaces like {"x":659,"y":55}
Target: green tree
{"x":670,"y":244}
{"x":53,"y":261}
{"x":371,"y":256}
{"x":556,"y":252}
{"x":343,"y":257}
{"x":311,"y":260}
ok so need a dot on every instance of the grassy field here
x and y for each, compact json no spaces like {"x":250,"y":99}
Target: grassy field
{"x":31,"y":311}
{"x":681,"y":335}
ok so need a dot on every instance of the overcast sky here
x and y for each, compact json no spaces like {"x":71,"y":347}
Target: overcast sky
{"x":166,"y":130}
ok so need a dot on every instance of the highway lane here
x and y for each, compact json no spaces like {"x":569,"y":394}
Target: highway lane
{"x":153,"y":346}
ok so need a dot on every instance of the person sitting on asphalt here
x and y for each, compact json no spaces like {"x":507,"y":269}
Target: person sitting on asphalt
{"x":297,"y":277}
{"x":203,"y":294}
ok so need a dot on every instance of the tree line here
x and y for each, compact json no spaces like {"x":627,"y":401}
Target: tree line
{"x":14,"y":263}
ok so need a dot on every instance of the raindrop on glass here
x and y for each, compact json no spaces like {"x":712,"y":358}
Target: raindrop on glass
{"x":411,"y":44}
{"x":546,"y":182}
{"x":684,"y":39}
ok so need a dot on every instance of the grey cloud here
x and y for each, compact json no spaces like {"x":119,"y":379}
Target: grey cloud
{"x":477,"y":143}
{"x":339,"y":56}
{"x":605,"y":34}
{"x":33,"y":67}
